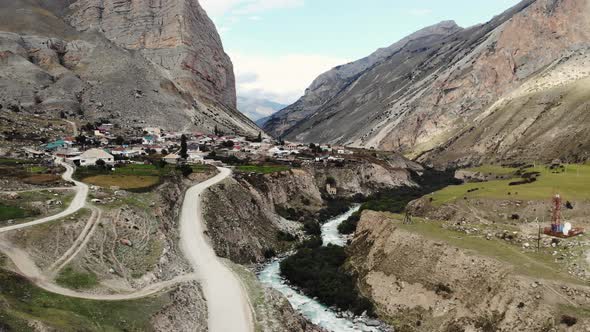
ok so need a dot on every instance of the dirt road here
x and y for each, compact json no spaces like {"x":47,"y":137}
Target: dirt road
{"x":29,"y":269}
{"x":227,"y":302}
{"x":77,"y":203}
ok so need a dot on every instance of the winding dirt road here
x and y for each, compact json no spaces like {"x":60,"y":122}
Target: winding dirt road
{"x":227,"y":302}
{"x":77,"y":203}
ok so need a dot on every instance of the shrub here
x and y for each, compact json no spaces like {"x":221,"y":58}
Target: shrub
{"x":269,"y":253}
{"x":319,"y":273}
{"x":311,"y":243}
{"x":331,"y":181}
{"x":569,"y":320}
{"x":312,"y":228}
{"x":335,"y":207}
{"x":349,"y":225}
{"x":287,"y":237}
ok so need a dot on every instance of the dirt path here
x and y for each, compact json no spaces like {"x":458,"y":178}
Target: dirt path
{"x":74,"y":127}
{"x":227,"y":301}
{"x":29,"y":269}
{"x":78,"y":245}
{"x":77,"y":203}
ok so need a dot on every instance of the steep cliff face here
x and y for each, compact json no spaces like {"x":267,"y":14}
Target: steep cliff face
{"x":430,"y":92}
{"x":178,"y":36}
{"x":134,"y":63}
{"x":419,"y":282}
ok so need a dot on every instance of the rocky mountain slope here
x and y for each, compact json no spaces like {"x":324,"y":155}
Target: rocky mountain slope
{"x":491,"y":91}
{"x":132,"y":63}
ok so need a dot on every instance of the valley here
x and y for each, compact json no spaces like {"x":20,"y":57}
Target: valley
{"x":149,"y":183}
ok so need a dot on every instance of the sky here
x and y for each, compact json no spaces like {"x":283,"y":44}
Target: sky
{"x":279,"y":47}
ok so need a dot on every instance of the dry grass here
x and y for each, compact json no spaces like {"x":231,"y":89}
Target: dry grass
{"x":123,"y":181}
{"x":42,"y":179}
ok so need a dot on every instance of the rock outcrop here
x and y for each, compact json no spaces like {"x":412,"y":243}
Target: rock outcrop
{"x":422,"y":283}
{"x":241,"y":213}
{"x":481,"y":93}
{"x":133,"y":63}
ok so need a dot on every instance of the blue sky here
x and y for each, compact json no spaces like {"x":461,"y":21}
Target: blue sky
{"x":279,"y":46}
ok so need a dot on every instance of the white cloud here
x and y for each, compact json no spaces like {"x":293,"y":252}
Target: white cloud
{"x":281,"y":78}
{"x":219,"y":8}
{"x":420,"y":11}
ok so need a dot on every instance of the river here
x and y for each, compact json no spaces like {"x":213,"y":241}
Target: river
{"x":316,"y":312}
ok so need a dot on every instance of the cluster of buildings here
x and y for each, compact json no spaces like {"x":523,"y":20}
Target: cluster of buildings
{"x":102,"y":145}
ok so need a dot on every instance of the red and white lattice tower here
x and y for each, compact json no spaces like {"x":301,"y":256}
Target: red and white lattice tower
{"x":556,"y":218}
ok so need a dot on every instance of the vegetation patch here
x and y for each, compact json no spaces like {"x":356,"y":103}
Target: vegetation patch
{"x":26,"y":302}
{"x":494,"y":170}
{"x":395,"y":200}
{"x":537,"y":265}
{"x":40,"y":179}
{"x":71,"y":278}
{"x":319,"y":272}
{"x":349,"y":225}
{"x":262,"y":169}
{"x":123,"y":181}
{"x":8,"y":212}
{"x":571,"y":183}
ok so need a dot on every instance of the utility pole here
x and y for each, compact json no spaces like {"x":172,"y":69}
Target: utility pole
{"x":539,"y":236}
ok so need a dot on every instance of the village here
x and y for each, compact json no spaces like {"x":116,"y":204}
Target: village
{"x":99,"y":146}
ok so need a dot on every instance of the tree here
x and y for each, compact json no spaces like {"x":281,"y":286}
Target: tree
{"x":119,"y":140}
{"x":100,"y":163}
{"x":183,"y":147}
{"x":228,"y":144}
{"x":259,"y":139}
{"x":62,"y":114}
{"x":81,"y":140}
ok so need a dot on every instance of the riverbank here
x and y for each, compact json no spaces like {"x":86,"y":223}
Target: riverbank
{"x":329,"y":318}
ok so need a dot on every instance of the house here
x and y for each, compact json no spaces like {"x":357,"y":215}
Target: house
{"x":31,"y":153}
{"x":90,"y":157}
{"x":59,"y":144}
{"x":172,"y":158}
{"x":332,"y":191}
{"x":149,"y":140}
{"x":153,"y":131}
{"x":67,"y":153}
{"x":196,"y":158}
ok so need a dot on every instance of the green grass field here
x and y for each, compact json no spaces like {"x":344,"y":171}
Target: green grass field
{"x":132,"y":177}
{"x":70,"y":278}
{"x":538,"y":265}
{"x":126,"y":182}
{"x":493,"y":169}
{"x":22,"y":302}
{"x":10,"y":161}
{"x":262,"y":169}
{"x":8,"y":212}
{"x":572,"y":184}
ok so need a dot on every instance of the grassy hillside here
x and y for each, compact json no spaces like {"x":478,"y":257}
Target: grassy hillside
{"x":572,"y":184}
{"x":21,"y":302}
{"x":533,"y":264}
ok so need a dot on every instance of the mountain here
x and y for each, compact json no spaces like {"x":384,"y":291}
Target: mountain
{"x":513,"y":88}
{"x":134,"y":63}
{"x":330,"y":84}
{"x":258,"y":110}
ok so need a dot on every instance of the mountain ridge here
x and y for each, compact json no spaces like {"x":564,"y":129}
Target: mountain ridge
{"x":418,"y":99}
{"x":134,"y":64}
